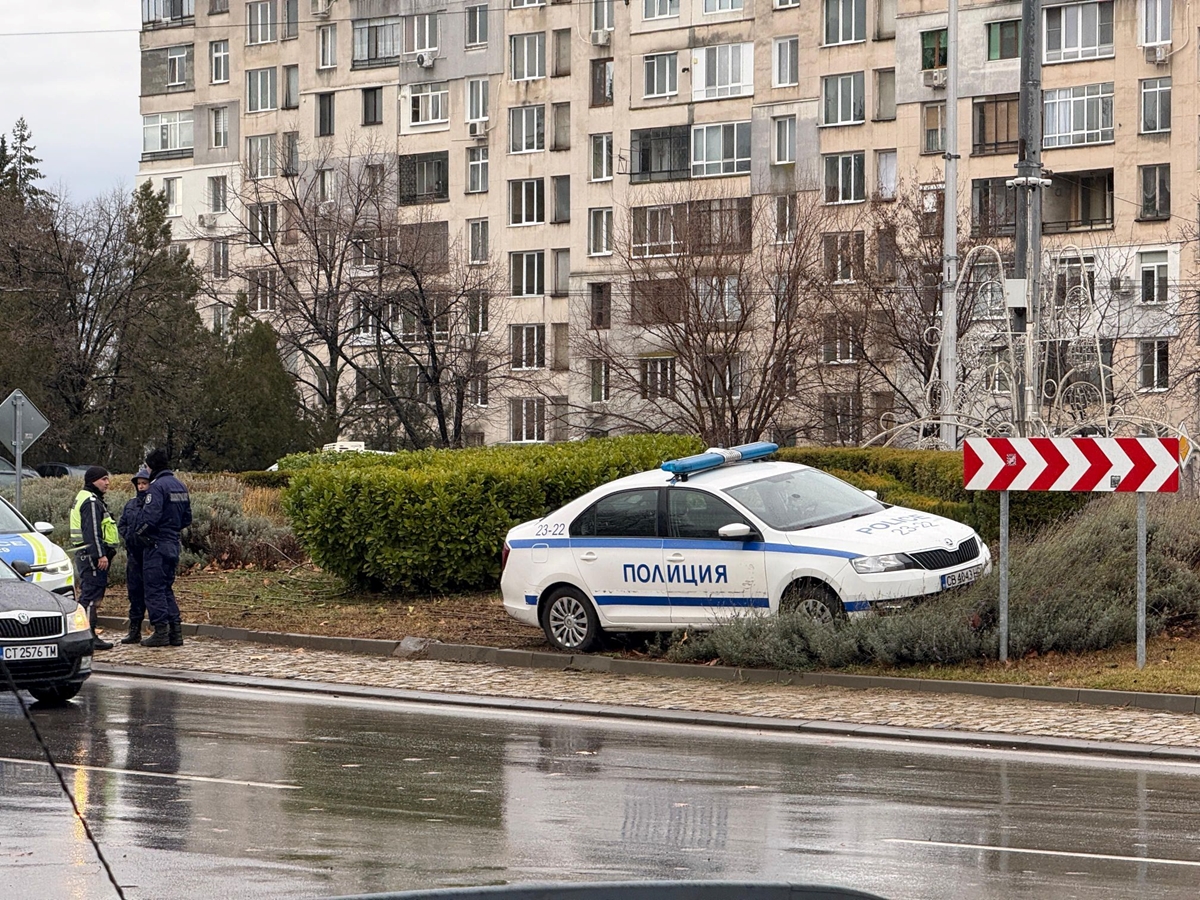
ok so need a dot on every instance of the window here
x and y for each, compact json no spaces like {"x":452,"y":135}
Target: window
{"x":528,"y":56}
{"x":719,"y":298}
{"x":291,"y":87}
{"x":262,"y":289}
{"x":421,"y":33}
{"x":885,"y":174}
{"x":1156,"y":191}
{"x":327,"y":46}
{"x":477,"y":99}
{"x":324,"y":115}
{"x":844,"y":100}
{"x":661,"y":75}
{"x":477,"y":170}
{"x":478,"y":311}
{"x":217,"y":187}
{"x":215,"y":6}
{"x":933,"y":49}
{"x":477,"y":26}
{"x":167,"y":131}
{"x":260,"y":156}
{"x":885,"y":20}
{"x":477,"y":394}
{"x":291,"y":152}
{"x":602,"y":82}
{"x":260,"y":22}
{"x":995,"y":125}
{"x":218,"y":62}
{"x":1078,"y":31}
{"x":424,"y":177}
{"x":786,"y":4}
{"x":654,"y":231}
{"x":376,"y":41}
{"x":1075,"y":280}
{"x":372,"y":106}
{"x":725,"y":378}
{"x":1153,"y":267}
{"x":528,"y":419}
{"x":264,"y":222}
{"x":711,"y":6}
{"x":785,"y":140}
{"x":560,"y":288}
{"x":660,"y":9}
{"x":260,"y":90}
{"x":1156,"y":105}
{"x":844,"y":254}
{"x":720,"y":225}
{"x":844,"y":178}
{"x":726,"y":70}
{"x":561,"y":138}
{"x":176,"y":66}
{"x":600,"y":306}
{"x":220,"y":127}
{"x":993,"y":207}
{"x":155,"y":12}
{"x":659,"y":154}
{"x":602,"y":158}
{"x":933,"y":127}
{"x":600,"y":231}
{"x":519,"y":4}
{"x":218,"y":258}
{"x":720,"y":149}
{"x":478,"y":244}
{"x":528,"y":346}
{"x":291,"y":19}
{"x":600,"y":379}
{"x":430,"y":103}
{"x":528,"y":273}
{"x":527,"y":202}
{"x":603,"y":15}
{"x":527,"y":129}
{"x":562,"y":199}
{"x":1004,"y":39}
{"x":562,"y":51}
{"x":845,"y":21}
{"x":173,"y":190}
{"x":657,"y":379}
{"x":787,"y":61}
{"x":1078,"y":115}
{"x":325,"y":185}
{"x":1156,"y":21}
{"x":785,"y":218}
{"x":885,"y":94}
{"x":1155,"y":365}
{"x":842,"y":418}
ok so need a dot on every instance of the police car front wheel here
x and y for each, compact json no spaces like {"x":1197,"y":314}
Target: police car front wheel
{"x":55,"y":696}
{"x":818,"y":601}
{"x":569,"y":620}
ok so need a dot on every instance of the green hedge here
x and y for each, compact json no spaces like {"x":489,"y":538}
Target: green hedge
{"x":260,"y":479}
{"x":436,"y":520}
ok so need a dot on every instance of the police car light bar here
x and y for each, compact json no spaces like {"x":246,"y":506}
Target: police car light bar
{"x":718,"y":456}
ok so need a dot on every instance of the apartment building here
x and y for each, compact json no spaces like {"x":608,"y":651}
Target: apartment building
{"x":564,"y":143}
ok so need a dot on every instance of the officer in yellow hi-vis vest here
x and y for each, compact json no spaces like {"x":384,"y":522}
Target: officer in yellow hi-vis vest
{"x":94,"y":540}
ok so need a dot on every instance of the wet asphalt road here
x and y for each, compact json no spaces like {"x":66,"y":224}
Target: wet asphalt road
{"x":201,"y":792}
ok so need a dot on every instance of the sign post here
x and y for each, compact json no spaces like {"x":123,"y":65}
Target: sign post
{"x":21,"y":423}
{"x":1102,"y":465}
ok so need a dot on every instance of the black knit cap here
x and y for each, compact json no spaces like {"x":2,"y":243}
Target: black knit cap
{"x":157,"y":460}
{"x":93,"y":474}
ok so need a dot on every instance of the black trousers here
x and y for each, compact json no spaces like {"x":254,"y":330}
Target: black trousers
{"x":92,"y":582}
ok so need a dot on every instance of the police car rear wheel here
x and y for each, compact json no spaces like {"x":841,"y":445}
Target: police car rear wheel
{"x":569,"y":621}
{"x":816,"y":601}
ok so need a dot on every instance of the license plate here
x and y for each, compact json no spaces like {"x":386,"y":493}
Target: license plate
{"x":958,"y":579}
{"x":36,"y":651}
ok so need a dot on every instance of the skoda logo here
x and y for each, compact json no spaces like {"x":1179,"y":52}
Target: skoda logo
{"x":949,"y":542}
{"x":23,"y":618}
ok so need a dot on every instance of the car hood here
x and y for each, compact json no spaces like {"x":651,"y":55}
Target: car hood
{"x":16,"y":595}
{"x":893,"y":530}
{"x":30,"y":547}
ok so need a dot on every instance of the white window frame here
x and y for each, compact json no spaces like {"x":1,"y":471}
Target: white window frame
{"x":477,"y":99}
{"x":477,"y":26}
{"x":477,"y":170}
{"x":600,"y":379}
{"x":422,"y":28}
{"x":532,"y":265}
{"x":660,"y":9}
{"x":528,"y":123}
{"x":886,"y":176}
{"x":218,"y":62}
{"x":528,"y":420}
{"x":719,"y":297}
{"x":327,"y":46}
{"x":786,"y":68}
{"x":1072,"y":19}
{"x":938,"y":145}
{"x":260,"y":22}
{"x":844,"y":99}
{"x":843,"y":22}
{"x":389,"y":38}
{"x":661,"y":71}
{"x":1096,"y":103}
{"x":1154,"y":22}
{"x":600,"y":164}
{"x":526,"y":202}
{"x":260,"y":82}
{"x":604,"y":16}
{"x":784,"y":140}
{"x":600,"y":231}
{"x":429,"y":103}
{"x":523,"y":66}
{"x":1157,"y":365}
{"x":219,"y":127}
{"x":173,"y":191}
{"x":846,"y":164}
{"x":218,"y":193}
{"x":170,"y":131}
{"x":727,"y":163}
{"x":657,"y":232}
{"x":723,"y":70}
{"x":478,"y":244}
{"x":720,"y":6}
{"x":260,"y":156}
{"x":176,"y":66}
{"x":1156,"y":94}
{"x":657,"y":377}
{"x":521,"y":4}
{"x":528,"y":346}
{"x":1157,"y":264}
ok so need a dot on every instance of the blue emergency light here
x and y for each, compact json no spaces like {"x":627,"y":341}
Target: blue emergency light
{"x":718,"y":456}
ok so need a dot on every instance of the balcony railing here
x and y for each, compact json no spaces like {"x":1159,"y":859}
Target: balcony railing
{"x":1064,"y":226}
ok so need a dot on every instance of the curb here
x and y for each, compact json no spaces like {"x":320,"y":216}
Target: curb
{"x":1031,"y":743}
{"x":422,"y":648}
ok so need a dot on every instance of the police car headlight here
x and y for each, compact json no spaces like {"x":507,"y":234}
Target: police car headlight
{"x":78,"y":620}
{"x":61,"y":568}
{"x":888,"y":562}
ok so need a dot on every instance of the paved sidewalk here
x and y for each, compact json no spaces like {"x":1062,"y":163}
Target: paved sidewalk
{"x":948,"y":717}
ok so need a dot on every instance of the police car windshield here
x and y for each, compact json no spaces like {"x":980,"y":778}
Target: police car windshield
{"x":803,"y":498}
{"x":10,"y":521}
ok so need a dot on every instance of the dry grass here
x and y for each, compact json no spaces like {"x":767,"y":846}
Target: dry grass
{"x":265,"y":502}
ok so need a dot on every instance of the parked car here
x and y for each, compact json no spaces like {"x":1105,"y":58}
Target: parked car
{"x":28,"y":542}
{"x":45,"y":638}
{"x":8,"y":472}
{"x":61,"y":470}
{"x":722,"y":534}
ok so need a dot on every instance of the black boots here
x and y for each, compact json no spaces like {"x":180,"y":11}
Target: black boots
{"x":161,"y":636}
{"x":135,"y":632}
{"x":175,"y":632}
{"x":98,"y":643}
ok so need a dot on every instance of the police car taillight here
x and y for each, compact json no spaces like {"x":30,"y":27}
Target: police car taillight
{"x":718,"y":456}
{"x":504,"y":556}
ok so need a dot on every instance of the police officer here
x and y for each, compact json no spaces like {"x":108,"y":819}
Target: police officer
{"x":133,"y":558}
{"x":165,"y":510}
{"x":94,"y":541}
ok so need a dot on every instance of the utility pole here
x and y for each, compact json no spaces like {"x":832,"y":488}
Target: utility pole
{"x":949,"y":348}
{"x":1028,"y":186}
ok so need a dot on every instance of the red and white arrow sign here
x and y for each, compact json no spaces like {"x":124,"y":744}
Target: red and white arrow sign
{"x":1145,"y":465}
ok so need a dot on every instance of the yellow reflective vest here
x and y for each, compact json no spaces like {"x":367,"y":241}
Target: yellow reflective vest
{"x":102,"y":536}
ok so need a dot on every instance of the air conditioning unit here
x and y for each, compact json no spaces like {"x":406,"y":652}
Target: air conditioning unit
{"x":207,"y":220}
{"x":325,"y":208}
{"x":425,"y":60}
{"x":477,"y":129}
{"x":320,"y":8}
{"x":1159,"y":54}
{"x":601,"y":38}
{"x":935,"y":78}
{"x":1121,"y":284}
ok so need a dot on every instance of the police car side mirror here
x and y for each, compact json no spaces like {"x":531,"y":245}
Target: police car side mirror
{"x":735,"y":531}
{"x":43,"y":527}
{"x":874,"y":495}
{"x":21,"y":568}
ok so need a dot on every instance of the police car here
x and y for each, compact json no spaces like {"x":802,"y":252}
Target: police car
{"x":23,"y":541}
{"x":723,"y":534}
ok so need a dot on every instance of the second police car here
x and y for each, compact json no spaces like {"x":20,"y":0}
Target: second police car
{"x":722,"y":534}
{"x":27,"y":542}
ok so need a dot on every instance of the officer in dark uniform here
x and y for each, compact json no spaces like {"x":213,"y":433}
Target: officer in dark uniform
{"x":133,"y":557}
{"x":165,"y":510}
{"x":94,"y":542}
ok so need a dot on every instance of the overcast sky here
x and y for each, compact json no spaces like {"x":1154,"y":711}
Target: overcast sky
{"x":78,"y":92}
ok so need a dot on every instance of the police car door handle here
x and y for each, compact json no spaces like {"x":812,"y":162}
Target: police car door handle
{"x":589,"y":556}
{"x":676,"y":557}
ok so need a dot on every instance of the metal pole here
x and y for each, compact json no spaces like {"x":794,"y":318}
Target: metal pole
{"x":18,"y":445}
{"x":949,"y":349}
{"x":1141,"y":581}
{"x":1004,"y":576}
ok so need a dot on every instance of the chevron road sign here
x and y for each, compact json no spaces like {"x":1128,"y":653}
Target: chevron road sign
{"x":1142,"y":465}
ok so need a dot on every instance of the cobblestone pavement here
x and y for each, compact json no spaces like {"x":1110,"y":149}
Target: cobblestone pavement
{"x":902,"y":709}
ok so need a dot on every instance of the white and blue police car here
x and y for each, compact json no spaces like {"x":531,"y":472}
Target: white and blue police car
{"x":27,"y":542}
{"x":722,"y":534}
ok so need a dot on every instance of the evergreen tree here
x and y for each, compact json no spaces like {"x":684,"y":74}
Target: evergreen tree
{"x":21,"y":170}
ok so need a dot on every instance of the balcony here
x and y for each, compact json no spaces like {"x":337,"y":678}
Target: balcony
{"x":1078,"y":201}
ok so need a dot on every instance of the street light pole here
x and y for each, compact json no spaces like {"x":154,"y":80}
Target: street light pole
{"x":949,"y":348}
